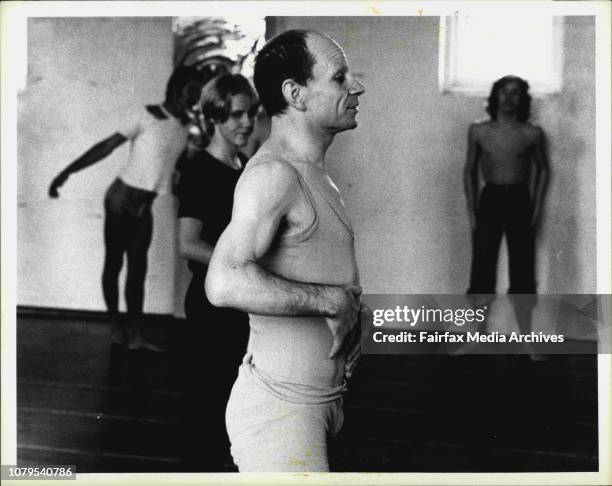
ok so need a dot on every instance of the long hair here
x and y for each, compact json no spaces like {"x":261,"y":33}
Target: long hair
{"x":524,"y":107}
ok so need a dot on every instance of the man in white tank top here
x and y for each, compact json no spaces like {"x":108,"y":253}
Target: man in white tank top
{"x":288,"y":259}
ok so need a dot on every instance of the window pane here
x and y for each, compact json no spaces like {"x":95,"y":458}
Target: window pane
{"x":481,"y":49}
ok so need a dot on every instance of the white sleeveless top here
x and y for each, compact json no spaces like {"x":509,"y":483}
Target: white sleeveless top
{"x":289,"y":354}
{"x":155,"y":146}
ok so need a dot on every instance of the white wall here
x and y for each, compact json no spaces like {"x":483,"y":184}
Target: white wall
{"x":84,"y":76}
{"x":401,"y":170}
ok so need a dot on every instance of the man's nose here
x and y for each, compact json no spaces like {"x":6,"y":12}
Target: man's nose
{"x":357,"y":88}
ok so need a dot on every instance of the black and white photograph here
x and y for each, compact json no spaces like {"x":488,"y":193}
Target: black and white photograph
{"x":322,"y":239}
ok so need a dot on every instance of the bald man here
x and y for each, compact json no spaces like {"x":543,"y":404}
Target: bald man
{"x":288,"y":259}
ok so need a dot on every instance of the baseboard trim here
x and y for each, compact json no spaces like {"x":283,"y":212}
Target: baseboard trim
{"x":60,"y":313}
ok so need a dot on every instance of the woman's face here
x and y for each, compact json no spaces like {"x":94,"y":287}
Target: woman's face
{"x":239,"y":124}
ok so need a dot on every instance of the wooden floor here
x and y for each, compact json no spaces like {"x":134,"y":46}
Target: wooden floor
{"x":83,"y":401}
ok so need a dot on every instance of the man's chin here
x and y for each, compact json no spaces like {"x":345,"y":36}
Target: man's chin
{"x":352,"y":125}
{"x":509,"y":110}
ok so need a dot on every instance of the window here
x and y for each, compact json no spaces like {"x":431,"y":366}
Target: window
{"x":475,"y":50}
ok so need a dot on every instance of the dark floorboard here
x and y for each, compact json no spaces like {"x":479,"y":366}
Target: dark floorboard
{"x":81,"y":400}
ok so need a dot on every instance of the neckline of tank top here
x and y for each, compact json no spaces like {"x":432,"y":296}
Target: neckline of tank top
{"x":340,"y":212}
{"x":336,"y":204}
{"x":331,"y":195}
{"x":321,"y":170}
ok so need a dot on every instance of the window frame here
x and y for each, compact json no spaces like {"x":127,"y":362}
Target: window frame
{"x":448,"y":78}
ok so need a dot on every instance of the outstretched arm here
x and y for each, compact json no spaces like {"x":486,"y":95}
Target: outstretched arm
{"x":542,"y":174}
{"x":94,"y":154}
{"x":470,"y":176}
{"x":263,"y":198}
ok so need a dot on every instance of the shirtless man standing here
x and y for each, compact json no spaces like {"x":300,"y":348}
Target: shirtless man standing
{"x":506,"y":150}
{"x":288,"y":259}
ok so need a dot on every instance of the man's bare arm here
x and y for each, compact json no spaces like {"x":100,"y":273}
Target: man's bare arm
{"x":94,"y":154}
{"x":542,"y":174}
{"x":263,"y":197}
{"x":190,"y":244}
{"x":470,"y":176}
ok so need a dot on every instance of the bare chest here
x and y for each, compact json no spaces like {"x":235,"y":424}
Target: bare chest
{"x":505,"y":145}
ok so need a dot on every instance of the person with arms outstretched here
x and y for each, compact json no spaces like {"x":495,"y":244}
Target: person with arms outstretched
{"x":157,"y":137}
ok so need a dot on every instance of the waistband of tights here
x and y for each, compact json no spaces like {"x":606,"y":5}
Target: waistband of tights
{"x":292,"y":392}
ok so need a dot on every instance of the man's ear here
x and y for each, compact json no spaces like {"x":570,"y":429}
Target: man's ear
{"x":293,"y":93}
